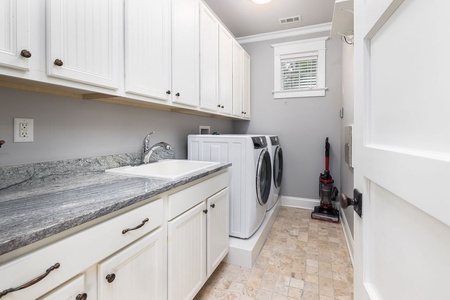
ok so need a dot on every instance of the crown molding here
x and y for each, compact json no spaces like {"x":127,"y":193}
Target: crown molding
{"x":285,"y":33}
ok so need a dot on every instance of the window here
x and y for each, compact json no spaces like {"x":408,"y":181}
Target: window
{"x":299,"y":69}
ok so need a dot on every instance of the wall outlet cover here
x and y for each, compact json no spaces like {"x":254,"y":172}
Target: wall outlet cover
{"x":23,"y":130}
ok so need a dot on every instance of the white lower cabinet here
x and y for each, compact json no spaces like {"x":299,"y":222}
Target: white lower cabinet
{"x":165,"y":249}
{"x":136,"y":272}
{"x":187,"y":253}
{"x":197,"y":242}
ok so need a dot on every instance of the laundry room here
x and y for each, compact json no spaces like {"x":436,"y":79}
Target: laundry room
{"x":183,"y":147}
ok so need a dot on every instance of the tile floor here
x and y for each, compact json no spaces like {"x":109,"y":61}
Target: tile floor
{"x":301,"y":259}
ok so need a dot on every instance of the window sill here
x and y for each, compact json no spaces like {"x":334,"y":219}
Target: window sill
{"x":313,"y":92}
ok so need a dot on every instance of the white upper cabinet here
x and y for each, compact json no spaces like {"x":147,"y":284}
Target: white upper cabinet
{"x":15,"y":49}
{"x":209,"y":59}
{"x":84,"y":41}
{"x":238,"y":57}
{"x":185,"y":52}
{"x":147,"y":48}
{"x":225,"y":71}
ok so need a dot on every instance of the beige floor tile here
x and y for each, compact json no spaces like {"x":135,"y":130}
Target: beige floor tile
{"x":301,"y":259}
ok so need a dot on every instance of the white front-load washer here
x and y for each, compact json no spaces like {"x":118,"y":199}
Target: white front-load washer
{"x":276,"y":157}
{"x":250,"y":175}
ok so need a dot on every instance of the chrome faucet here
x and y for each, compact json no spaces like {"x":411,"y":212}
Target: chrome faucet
{"x":146,"y":148}
{"x":156,"y":152}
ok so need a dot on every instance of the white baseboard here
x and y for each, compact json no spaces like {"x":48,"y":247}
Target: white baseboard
{"x":297,"y":202}
{"x":347,"y":234}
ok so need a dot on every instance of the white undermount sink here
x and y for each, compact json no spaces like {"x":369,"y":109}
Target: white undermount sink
{"x":168,"y":168}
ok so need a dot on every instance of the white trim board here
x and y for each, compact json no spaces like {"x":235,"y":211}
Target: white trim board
{"x":297,"y":202}
{"x":347,"y":234}
{"x":325,"y":27}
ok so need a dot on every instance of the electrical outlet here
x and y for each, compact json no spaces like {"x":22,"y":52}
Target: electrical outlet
{"x":23,"y":130}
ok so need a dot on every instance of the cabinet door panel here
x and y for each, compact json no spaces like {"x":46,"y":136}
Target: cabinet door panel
{"x":187,"y":253}
{"x":185,"y":52}
{"x":225,"y":70}
{"x":85,"y":36}
{"x":147,"y":48}
{"x":138,"y":270}
{"x":238,"y":54}
{"x":209,"y":52}
{"x":14,"y":33}
{"x":246,"y":86}
{"x":218,"y":229}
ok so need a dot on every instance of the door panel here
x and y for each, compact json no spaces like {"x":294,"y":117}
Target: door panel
{"x":400,"y":149}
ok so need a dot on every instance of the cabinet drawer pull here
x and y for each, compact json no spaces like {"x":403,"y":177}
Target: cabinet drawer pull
{"x":25,"y":53}
{"x":110,"y":277}
{"x":81,"y":296}
{"x":137,"y":227}
{"x":58,"y":62}
{"x":30,"y":283}
{"x":213,"y":205}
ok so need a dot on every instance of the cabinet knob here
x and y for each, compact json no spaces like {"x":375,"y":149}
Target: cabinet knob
{"x":205,"y":211}
{"x":218,"y":105}
{"x":81,"y":296}
{"x":222,"y":106}
{"x":25,"y":53}
{"x":168,"y":92}
{"x":213,"y":205}
{"x":110,"y":277}
{"x":177,"y":94}
{"x":58,"y":62}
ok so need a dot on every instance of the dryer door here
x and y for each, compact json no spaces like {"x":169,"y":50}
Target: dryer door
{"x":278,"y":166}
{"x":263,"y":177}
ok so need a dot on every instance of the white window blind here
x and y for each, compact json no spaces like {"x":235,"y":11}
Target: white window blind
{"x":299,"y":73}
{"x":299,"y":69}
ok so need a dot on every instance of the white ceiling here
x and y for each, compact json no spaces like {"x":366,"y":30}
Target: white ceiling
{"x":245,"y":18}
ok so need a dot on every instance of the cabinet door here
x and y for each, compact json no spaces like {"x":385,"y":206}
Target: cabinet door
{"x":225,"y":71}
{"x":187,"y":253}
{"x":246,"y":86}
{"x":136,"y":272}
{"x":147,"y":48}
{"x":185,"y":52}
{"x":209,"y":59}
{"x":83,"y":41}
{"x":14,"y":33}
{"x":217,"y":239}
{"x":238,"y":55}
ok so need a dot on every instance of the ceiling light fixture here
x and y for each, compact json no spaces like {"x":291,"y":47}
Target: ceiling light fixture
{"x":261,"y":1}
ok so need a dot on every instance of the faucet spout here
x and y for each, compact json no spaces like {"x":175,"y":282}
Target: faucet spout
{"x":146,"y":148}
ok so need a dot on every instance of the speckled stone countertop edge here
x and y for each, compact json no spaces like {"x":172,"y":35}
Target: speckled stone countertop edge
{"x":90,"y":202}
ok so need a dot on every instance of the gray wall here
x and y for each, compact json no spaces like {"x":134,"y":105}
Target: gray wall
{"x":70,"y":128}
{"x":302,"y":124}
{"x":347,"y":104}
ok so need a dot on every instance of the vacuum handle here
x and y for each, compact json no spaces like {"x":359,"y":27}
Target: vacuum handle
{"x":327,"y":154}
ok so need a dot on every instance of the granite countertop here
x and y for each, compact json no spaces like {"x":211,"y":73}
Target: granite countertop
{"x":33,"y":211}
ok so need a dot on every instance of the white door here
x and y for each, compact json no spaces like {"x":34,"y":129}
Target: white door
{"x":15,"y":34}
{"x":185,"y":52}
{"x":209,"y":59}
{"x":218,"y":229}
{"x":136,"y":272}
{"x":186,"y":253}
{"x":84,"y":41}
{"x":225,"y":71}
{"x":402,"y":149}
{"x":147,"y":48}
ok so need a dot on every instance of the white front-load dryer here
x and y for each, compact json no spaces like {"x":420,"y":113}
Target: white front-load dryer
{"x":276,"y":157}
{"x":250,"y":175}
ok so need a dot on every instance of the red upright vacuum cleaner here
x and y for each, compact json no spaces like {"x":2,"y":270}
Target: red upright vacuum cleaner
{"x":327,"y":193}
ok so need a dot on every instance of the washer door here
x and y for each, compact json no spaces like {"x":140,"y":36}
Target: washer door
{"x":278,"y":167}
{"x":263,"y":177}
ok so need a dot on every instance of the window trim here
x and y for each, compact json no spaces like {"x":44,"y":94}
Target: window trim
{"x":314,"y":46}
